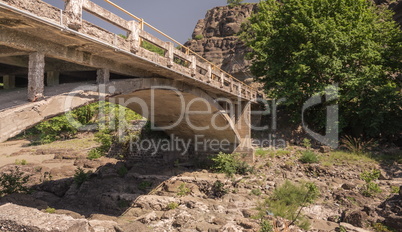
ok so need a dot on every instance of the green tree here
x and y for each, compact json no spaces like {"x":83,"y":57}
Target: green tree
{"x":302,"y":46}
{"x":234,"y":2}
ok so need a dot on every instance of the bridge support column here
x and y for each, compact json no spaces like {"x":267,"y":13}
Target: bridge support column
{"x":9,"y":81}
{"x":170,"y":54}
{"x":243,"y":126}
{"x":53,"y":78}
{"x":36,"y":72}
{"x":103,"y":76}
{"x":73,"y":11}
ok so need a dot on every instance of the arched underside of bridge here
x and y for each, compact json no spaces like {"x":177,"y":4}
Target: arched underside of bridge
{"x":180,"y":109}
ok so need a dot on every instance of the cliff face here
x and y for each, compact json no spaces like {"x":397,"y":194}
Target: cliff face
{"x":215,"y":38}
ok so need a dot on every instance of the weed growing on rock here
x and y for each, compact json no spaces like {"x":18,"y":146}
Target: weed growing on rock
{"x":21,"y":162}
{"x":289,"y":199}
{"x":256,"y":192}
{"x":218,"y":189}
{"x":13,"y":182}
{"x":143,"y":186}
{"x":230,"y":164}
{"x":80,"y":176}
{"x":183,"y":190}
{"x":266,"y":226}
{"x":308,"y":157}
{"x":172,"y":205}
{"x":50,"y":210}
{"x":371,"y":188}
{"x":306,"y":143}
{"x":122,"y":171}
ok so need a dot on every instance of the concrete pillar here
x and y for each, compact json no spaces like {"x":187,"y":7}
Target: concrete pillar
{"x":170,"y":54}
{"x":53,"y":78}
{"x":103,"y":76}
{"x":243,"y":127}
{"x":209,"y":73}
{"x":134,"y":37}
{"x":231,"y":85}
{"x":193,"y":66}
{"x":73,"y":11}
{"x":9,"y":81}
{"x":36,"y":73}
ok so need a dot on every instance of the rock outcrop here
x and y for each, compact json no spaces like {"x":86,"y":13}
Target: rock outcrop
{"x":216,"y":38}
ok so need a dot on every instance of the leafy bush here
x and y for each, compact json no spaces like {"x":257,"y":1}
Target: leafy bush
{"x":308,"y":157}
{"x":218,"y":189}
{"x":230,"y":164}
{"x":199,"y":37}
{"x":13,"y":182}
{"x":183,"y":190}
{"x":95,"y":153}
{"x":266,"y":226}
{"x":371,"y":188}
{"x":172,"y":205}
{"x":288,"y":200}
{"x":80,"y":176}
{"x":306,"y":143}
{"x":144,"y":185}
{"x":122,"y":171}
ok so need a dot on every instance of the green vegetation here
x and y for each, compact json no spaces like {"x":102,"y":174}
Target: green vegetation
{"x":122,"y":36}
{"x":80,"y":177}
{"x":266,"y":226}
{"x":122,"y":171}
{"x":183,"y":190}
{"x":107,"y":116}
{"x":199,"y":37}
{"x":153,"y":48}
{"x":346,"y":158}
{"x":50,"y":210}
{"x":371,"y":188}
{"x":357,"y":145}
{"x":172,"y":205}
{"x":300,"y":47}
{"x":218,"y":189}
{"x":13,"y":182}
{"x":308,"y":157}
{"x":21,"y":162}
{"x":230,"y":164}
{"x":395,"y":189}
{"x":288,"y":200}
{"x":379,"y":227}
{"x":123,"y":204}
{"x":306,"y":143}
{"x":234,"y":2}
{"x":256,"y":192}
{"x":144,"y":185}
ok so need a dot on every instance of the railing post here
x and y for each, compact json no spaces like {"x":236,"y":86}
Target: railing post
{"x":73,"y":11}
{"x":231,"y":85}
{"x":222,"y":80}
{"x":240,"y":90}
{"x":170,"y":54}
{"x":134,"y":37}
{"x":209,"y":73}
{"x":193,"y":66}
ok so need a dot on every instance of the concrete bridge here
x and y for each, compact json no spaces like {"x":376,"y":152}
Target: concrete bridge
{"x":52,"y":61}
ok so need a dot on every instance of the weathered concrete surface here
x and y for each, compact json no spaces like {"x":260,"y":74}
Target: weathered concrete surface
{"x":36,"y":72}
{"x":53,"y":78}
{"x":9,"y":81}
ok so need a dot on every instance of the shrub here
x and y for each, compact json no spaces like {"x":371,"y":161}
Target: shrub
{"x":230,"y":164}
{"x":183,"y":190}
{"x":371,"y":188}
{"x":122,"y":171}
{"x":172,"y":205}
{"x":153,"y":48}
{"x":306,"y":143}
{"x":94,"y":153}
{"x":199,"y":37}
{"x":256,"y":192}
{"x":288,"y":200}
{"x":266,"y":226}
{"x":50,"y":210}
{"x":234,"y":2}
{"x":144,"y":185}
{"x":21,"y":162}
{"x":80,"y":176}
{"x":308,"y":157}
{"x":357,"y":146}
{"x":218,"y":189}
{"x":13,"y":182}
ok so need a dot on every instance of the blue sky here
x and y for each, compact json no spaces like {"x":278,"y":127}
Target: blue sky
{"x":177,"y":18}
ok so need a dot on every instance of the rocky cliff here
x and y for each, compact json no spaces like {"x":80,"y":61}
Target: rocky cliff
{"x":215,"y":38}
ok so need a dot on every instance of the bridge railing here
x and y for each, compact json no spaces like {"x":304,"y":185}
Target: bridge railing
{"x":180,"y":59}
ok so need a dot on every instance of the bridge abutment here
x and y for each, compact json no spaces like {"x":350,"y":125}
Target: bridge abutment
{"x":243,"y":127}
{"x":36,"y":72}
